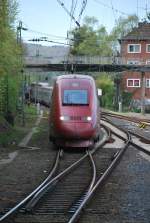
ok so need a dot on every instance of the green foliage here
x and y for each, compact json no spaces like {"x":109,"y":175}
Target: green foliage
{"x":105,"y":83}
{"x":5,"y":130}
{"x":122,"y":28}
{"x":93,"y":39}
{"x":3,"y":95}
{"x":13,"y":92}
{"x":31,"y":110}
{"x":7,"y":137}
{"x":10,"y":64}
{"x":90,"y":39}
{"x":126,"y":100}
{"x":136,"y":110}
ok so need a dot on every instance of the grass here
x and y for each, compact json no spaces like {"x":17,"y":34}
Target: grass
{"x":7,"y":132}
{"x":40,"y":133}
{"x":30,"y":110}
{"x":12,"y":135}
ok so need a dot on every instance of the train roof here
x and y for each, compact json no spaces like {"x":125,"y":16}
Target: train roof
{"x":42,"y":84}
{"x":75,"y":80}
{"x":75,"y":76}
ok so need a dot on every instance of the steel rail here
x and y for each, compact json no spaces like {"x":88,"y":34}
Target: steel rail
{"x":54,"y":180}
{"x":30,"y":205}
{"x":129,"y":119}
{"x":26,"y":199}
{"x":102,"y":179}
{"x":107,"y":130}
{"x":139,"y":136}
{"x":131,"y":142}
{"x":52,"y":183}
{"x":94,"y":173}
{"x":140,"y":148}
{"x":57,"y":178}
{"x":133,"y":119}
{"x":76,"y":204}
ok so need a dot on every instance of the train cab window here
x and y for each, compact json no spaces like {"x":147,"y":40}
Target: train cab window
{"x":75,"y":97}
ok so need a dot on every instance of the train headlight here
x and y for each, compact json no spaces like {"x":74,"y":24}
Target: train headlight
{"x":87,"y":118}
{"x":64,"y":118}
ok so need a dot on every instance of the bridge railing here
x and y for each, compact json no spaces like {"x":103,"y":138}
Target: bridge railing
{"x":71,"y":59}
{"x":83,"y":60}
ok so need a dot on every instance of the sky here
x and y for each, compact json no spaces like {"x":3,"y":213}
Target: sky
{"x":47,"y":18}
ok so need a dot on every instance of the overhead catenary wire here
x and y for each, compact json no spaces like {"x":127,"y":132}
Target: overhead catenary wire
{"x":55,"y":37}
{"x":60,"y":37}
{"x":147,"y":13}
{"x":113,"y":11}
{"x":137,"y":6}
{"x":72,"y":10}
{"x":84,"y":3}
{"x":46,"y":34}
{"x":121,"y":12}
{"x":146,"y":8}
{"x":110,"y":7}
{"x":67,"y":11}
{"x":46,"y":40}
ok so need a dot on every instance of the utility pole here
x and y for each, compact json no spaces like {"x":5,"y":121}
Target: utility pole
{"x":19,"y":29}
{"x":117,"y":83}
{"x":143,"y":93}
{"x":19,"y":41}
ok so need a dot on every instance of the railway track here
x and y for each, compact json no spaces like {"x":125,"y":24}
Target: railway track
{"x":127,"y":138}
{"x":57,"y":202}
{"x":134,"y":119}
{"x":135,"y":126}
{"x":49,"y":182}
{"x":137,"y":141}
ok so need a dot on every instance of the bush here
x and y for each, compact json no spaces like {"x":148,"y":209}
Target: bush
{"x":5,"y":130}
{"x":105,"y":83}
{"x":126,"y":100}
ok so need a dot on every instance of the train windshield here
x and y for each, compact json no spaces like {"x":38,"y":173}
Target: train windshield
{"x":75,"y":97}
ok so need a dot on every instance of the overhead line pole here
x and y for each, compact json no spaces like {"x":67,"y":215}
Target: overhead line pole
{"x":143,"y":93}
{"x":19,"y":41}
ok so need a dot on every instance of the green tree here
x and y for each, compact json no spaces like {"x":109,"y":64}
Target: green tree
{"x":93,"y":39}
{"x":90,"y":39}
{"x":123,"y":26}
{"x":105,"y":82}
{"x":9,"y":57}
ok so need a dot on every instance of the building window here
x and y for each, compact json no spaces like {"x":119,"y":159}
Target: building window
{"x":133,"y":62}
{"x":134,"y":48}
{"x":147,"y":48}
{"x":148,"y":83}
{"x":148,"y":62}
{"x":133,"y":82}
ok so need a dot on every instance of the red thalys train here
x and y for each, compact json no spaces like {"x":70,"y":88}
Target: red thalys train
{"x":74,"y":112}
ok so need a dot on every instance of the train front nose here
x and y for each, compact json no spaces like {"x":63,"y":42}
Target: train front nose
{"x":77,"y":130}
